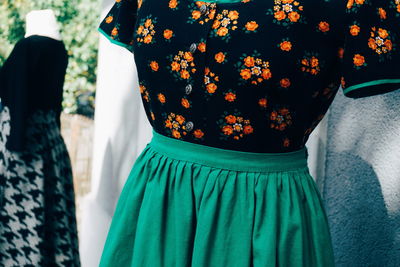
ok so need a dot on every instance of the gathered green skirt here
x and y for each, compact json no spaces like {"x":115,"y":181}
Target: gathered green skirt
{"x":187,"y":204}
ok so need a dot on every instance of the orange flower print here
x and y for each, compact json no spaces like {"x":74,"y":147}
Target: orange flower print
{"x":395,"y":4}
{"x":143,"y":91}
{"x":234,"y":126}
{"x":252,"y":69}
{"x":354,"y":5}
{"x":284,"y":83}
{"x":202,"y":47}
{"x":182,"y":65}
{"x":249,"y":61}
{"x":350,"y":4}
{"x":330,"y":91}
{"x":359,"y":61}
{"x":177,"y":124}
{"x":340,"y":52}
{"x":323,"y":26}
{"x":185,"y":102}
{"x":168,"y":34}
{"x":153,"y":65}
{"x":197,"y":16}
{"x":161,"y":98}
{"x":220,"y":57}
{"x":114,"y":32}
{"x":211,"y":87}
{"x":285,"y":45}
{"x":251,"y":26}
{"x":198,"y":134}
{"x":310,"y":63}
{"x":286,"y":142}
{"x":343,"y":82}
{"x":280,"y":119}
{"x":145,"y":31}
{"x":173,"y":4}
{"x":326,"y":93}
{"x":109,"y":19}
{"x":245,"y":73}
{"x":224,"y":22}
{"x":180,"y":119}
{"x":380,"y":41}
{"x":230,"y":119}
{"x":263,"y":102}
{"x":185,"y":74}
{"x":286,"y":12}
{"x":227,"y":129}
{"x":382,"y":13}
{"x":354,"y":29}
{"x":230,"y":96}
{"x":247,"y":129}
{"x":210,"y":81}
{"x":176,"y":134}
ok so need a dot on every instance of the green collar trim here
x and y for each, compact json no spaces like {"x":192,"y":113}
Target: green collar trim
{"x":371,"y":83}
{"x":113,"y":40}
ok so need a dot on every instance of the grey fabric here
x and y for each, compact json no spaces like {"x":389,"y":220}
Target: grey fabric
{"x":356,"y":163}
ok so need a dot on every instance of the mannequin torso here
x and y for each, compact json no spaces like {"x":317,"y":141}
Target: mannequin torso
{"x":42,"y":22}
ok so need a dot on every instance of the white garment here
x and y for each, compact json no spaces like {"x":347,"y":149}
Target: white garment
{"x":42,"y":22}
{"x":121,"y":133}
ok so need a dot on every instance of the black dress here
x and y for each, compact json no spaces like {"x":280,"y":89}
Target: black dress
{"x":275,"y":64}
{"x":37,"y":208}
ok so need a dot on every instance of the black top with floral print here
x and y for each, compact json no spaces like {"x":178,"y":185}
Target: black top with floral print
{"x":255,"y":75}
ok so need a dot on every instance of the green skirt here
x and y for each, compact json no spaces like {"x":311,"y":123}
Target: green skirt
{"x":187,"y":204}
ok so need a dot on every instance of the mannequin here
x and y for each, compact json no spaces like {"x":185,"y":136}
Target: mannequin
{"x":37,"y":206}
{"x":42,"y":22}
{"x":41,"y":52}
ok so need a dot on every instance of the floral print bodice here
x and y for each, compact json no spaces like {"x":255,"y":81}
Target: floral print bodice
{"x":255,"y":75}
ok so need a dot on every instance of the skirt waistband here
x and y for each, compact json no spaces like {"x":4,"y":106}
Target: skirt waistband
{"x":228,"y":159}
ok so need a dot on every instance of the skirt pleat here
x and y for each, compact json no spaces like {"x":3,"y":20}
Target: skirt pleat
{"x":182,"y":213}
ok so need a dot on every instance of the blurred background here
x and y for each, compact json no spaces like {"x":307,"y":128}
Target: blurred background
{"x":77,"y":20}
{"x":103,"y":142}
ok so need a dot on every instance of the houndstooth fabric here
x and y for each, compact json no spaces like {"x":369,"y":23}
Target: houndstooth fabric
{"x":37,"y":208}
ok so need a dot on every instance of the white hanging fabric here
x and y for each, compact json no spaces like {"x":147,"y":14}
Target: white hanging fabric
{"x":121,"y":132}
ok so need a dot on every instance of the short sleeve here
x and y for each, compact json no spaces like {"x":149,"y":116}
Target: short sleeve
{"x":119,"y":24}
{"x":370,"y":54}
{"x":14,"y":88}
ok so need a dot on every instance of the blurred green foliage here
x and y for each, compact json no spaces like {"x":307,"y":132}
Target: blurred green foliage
{"x":78,"y":21}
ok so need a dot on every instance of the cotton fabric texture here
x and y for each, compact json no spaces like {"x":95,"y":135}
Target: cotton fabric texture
{"x":240,"y":78}
{"x":187,"y":204}
{"x":254,"y":75}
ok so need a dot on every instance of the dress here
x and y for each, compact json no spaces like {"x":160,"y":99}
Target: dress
{"x":252,"y":76}
{"x":37,"y":205}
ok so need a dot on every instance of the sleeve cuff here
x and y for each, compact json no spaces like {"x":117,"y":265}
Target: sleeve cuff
{"x":372,"y":88}
{"x":128,"y":47}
